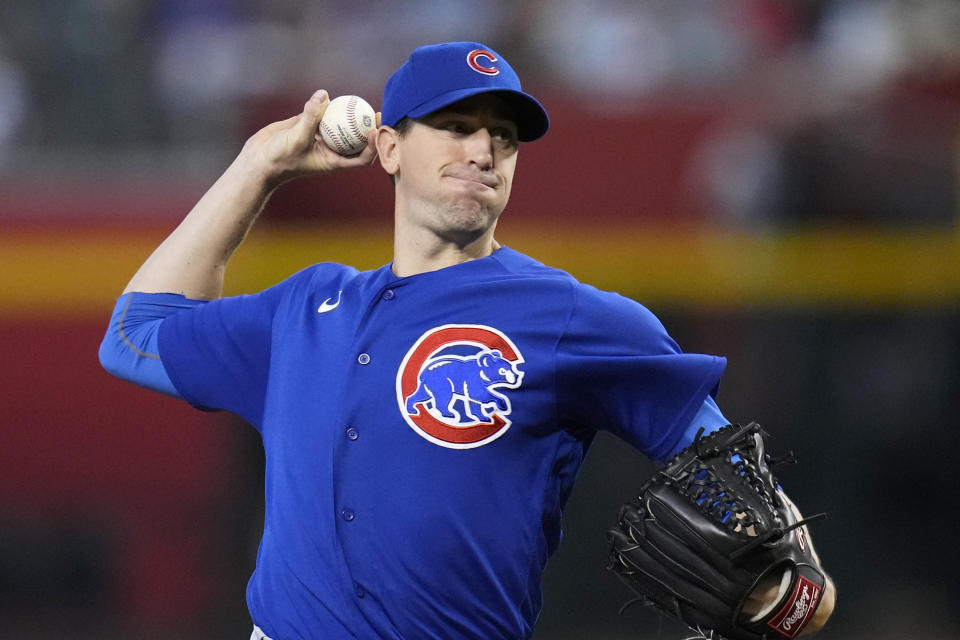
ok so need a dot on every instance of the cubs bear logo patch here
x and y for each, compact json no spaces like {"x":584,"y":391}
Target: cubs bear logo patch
{"x":454,"y":383}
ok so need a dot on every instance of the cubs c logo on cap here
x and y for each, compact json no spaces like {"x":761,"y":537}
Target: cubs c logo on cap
{"x":473,"y":60}
{"x":453,"y":385}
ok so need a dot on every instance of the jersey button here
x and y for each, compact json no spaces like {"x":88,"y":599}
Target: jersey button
{"x":389,"y":294}
{"x":352,"y":433}
{"x":364,"y":358}
{"x":347,"y":515}
{"x":360,"y":592}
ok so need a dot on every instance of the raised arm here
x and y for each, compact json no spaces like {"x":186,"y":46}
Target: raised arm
{"x":192,"y":260}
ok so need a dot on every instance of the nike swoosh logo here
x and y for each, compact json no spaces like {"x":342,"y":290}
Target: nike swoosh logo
{"x":326,"y":305}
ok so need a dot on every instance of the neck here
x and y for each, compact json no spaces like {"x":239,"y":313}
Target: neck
{"x":419,"y":251}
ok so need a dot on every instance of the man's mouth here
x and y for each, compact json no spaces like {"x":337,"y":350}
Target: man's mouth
{"x":485,"y":180}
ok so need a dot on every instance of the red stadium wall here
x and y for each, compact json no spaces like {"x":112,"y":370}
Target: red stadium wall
{"x":126,"y":475}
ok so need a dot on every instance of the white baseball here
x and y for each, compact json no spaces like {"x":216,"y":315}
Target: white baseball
{"x":346,"y":123}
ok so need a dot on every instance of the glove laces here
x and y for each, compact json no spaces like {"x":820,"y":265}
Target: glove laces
{"x":773,"y":535}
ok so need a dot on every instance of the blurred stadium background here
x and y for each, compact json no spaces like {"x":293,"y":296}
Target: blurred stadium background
{"x":777,"y":179}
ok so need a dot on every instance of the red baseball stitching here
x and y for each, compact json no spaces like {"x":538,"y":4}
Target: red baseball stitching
{"x":332,"y":137}
{"x":352,"y":119}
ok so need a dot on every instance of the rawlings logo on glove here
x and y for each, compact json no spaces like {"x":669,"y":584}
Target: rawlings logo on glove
{"x":802,"y":604}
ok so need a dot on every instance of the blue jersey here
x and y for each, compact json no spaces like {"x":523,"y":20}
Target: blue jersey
{"x":423,"y":433}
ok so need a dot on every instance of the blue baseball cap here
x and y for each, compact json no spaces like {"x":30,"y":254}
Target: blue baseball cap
{"x":437,"y":75}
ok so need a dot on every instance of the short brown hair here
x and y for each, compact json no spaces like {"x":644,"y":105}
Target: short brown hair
{"x":403,"y":126}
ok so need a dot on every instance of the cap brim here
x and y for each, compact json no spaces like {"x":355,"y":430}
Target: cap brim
{"x":531,"y":118}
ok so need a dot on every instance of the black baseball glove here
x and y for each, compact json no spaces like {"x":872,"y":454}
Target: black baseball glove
{"x":709,"y":527}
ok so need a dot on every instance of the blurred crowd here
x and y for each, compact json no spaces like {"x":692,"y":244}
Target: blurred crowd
{"x":804,"y":85}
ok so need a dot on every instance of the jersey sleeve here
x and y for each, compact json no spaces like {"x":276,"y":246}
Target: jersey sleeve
{"x":708,"y":419}
{"x":619,"y":370}
{"x":218,"y":355}
{"x":129,"y":347}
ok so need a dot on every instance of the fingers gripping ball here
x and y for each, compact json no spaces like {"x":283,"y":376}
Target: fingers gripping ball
{"x":346,"y":123}
{"x":710,"y":527}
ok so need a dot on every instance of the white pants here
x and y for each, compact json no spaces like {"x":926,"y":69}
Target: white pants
{"x":258,"y":634}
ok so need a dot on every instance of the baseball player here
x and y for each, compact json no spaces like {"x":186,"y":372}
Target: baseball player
{"x":423,"y":422}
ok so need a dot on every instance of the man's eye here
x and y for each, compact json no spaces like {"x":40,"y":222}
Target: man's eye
{"x":456,"y":127}
{"x":504,"y":137}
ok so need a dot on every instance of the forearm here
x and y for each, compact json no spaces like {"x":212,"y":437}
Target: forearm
{"x":193,"y":259}
{"x":709,"y":418}
{"x":827,"y":604}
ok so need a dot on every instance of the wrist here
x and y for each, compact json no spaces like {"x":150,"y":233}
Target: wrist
{"x":827,"y":604}
{"x":257,"y":171}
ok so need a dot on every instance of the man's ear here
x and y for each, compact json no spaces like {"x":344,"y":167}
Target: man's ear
{"x":388,"y":150}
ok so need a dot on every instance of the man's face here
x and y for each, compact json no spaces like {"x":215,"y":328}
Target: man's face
{"x":454,"y":167}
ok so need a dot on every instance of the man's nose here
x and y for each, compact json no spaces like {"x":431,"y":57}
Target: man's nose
{"x":480,"y":148}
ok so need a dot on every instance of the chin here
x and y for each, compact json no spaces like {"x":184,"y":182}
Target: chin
{"x":466,"y":224}
{"x":471,"y":213}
